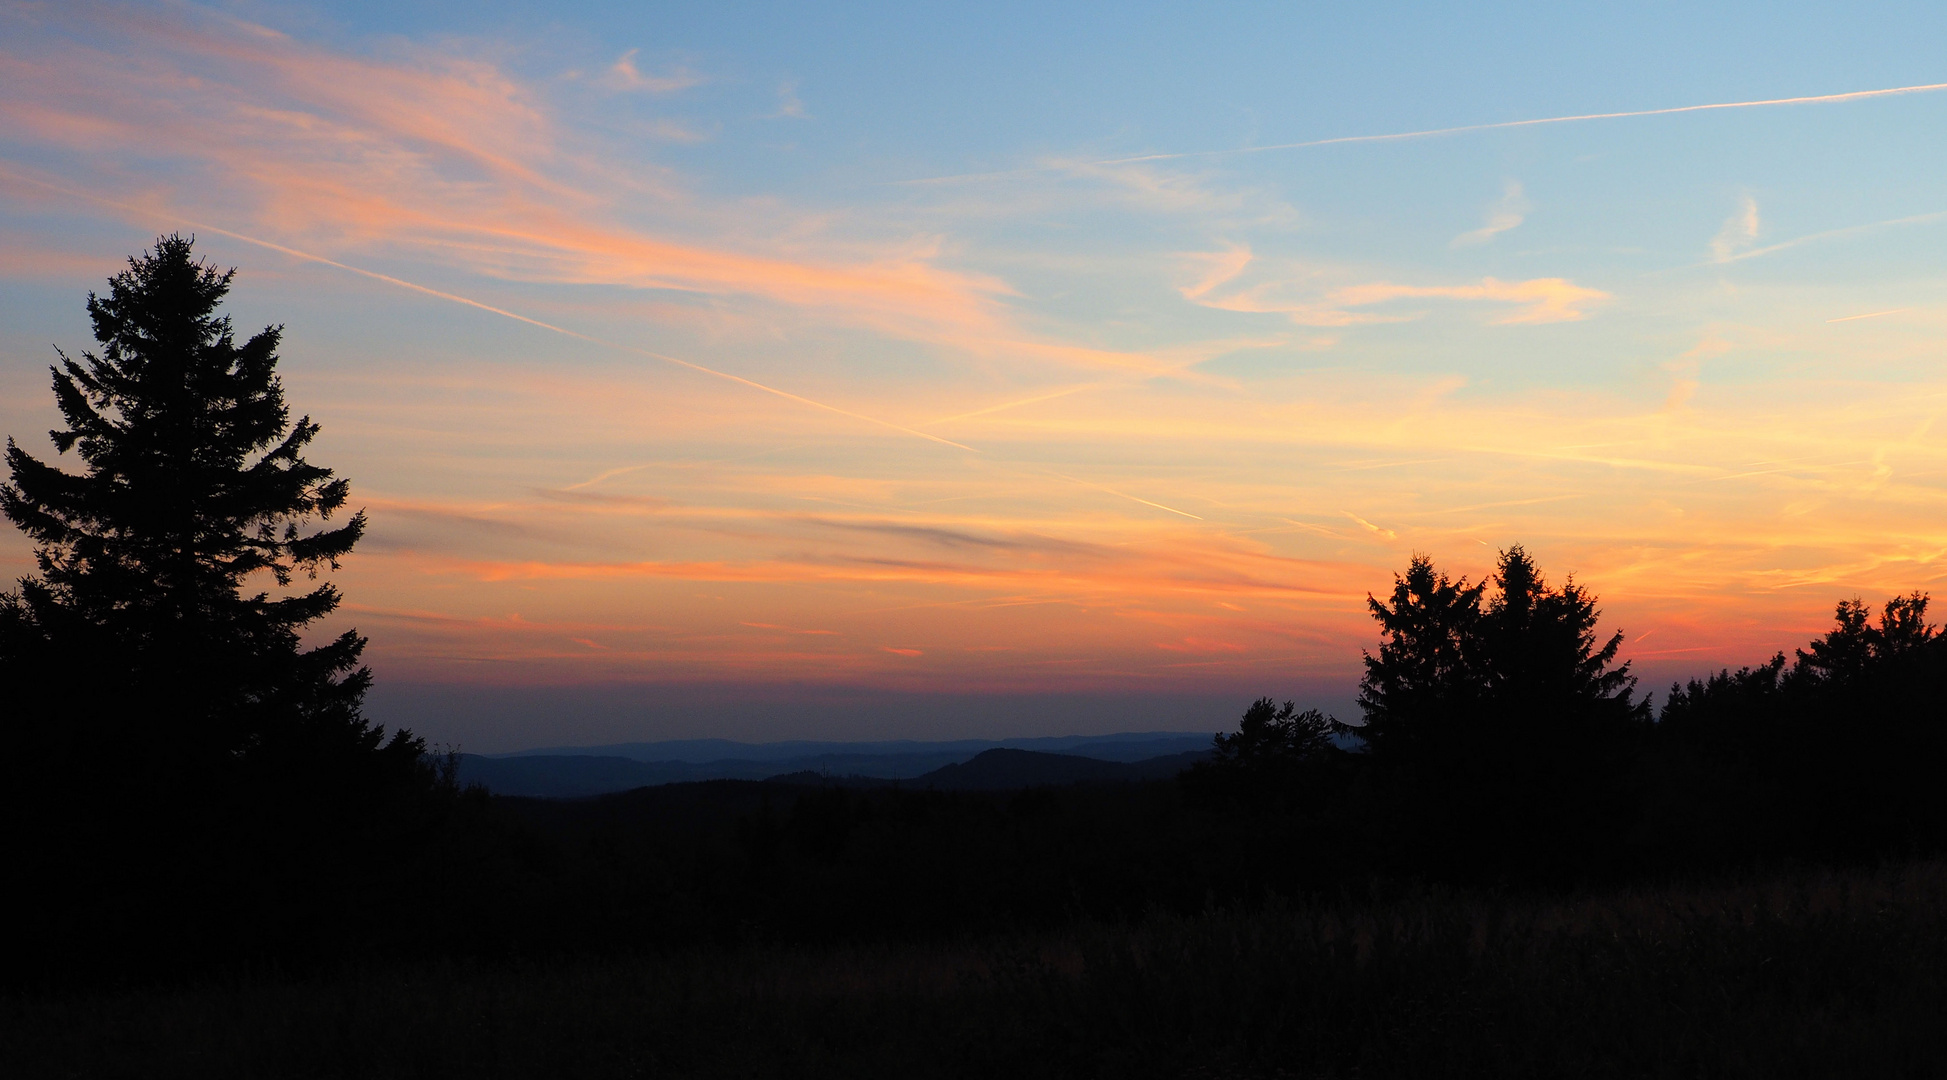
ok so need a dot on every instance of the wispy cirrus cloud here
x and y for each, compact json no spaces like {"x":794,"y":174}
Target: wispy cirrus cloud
{"x":1508,"y":213}
{"x":625,"y":75}
{"x":1307,"y":296}
{"x":789,"y":105}
{"x":1537,"y":300}
{"x":431,"y":154}
{"x":1739,"y":232}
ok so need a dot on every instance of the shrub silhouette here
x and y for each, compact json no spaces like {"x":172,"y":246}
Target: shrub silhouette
{"x":1278,"y":758}
{"x":1270,"y":734}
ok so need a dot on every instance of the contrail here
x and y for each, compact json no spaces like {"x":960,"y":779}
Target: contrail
{"x":1816,"y":99}
{"x":1868,"y":315}
{"x":1855,"y":95}
{"x":1125,"y":495}
{"x":1017,"y":404}
{"x":1828,"y":234}
{"x":576,"y":334}
{"x":1809,"y":238}
{"x":516,"y":316}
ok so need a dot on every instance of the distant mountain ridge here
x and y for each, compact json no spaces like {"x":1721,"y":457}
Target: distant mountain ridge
{"x":960,"y":765}
{"x":1004,"y":769}
{"x":1119,"y":746}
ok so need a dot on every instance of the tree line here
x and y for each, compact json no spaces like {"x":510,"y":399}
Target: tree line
{"x":1501,"y":740}
{"x":190,"y":783}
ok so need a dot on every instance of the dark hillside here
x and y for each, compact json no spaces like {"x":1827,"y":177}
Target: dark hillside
{"x":566,"y":776}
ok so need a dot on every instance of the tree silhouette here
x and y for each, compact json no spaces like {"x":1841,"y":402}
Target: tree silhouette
{"x":1855,"y":653}
{"x":167,"y":707}
{"x":1270,"y":733}
{"x":1278,"y":757}
{"x":195,"y":483}
{"x":1837,"y":754}
{"x":1451,"y":669}
{"x":1498,"y":724}
{"x":1428,"y":670}
{"x":1541,"y":657}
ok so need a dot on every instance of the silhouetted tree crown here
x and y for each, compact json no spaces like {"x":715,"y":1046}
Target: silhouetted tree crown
{"x":1541,"y":651}
{"x":1456,"y":664}
{"x":1889,"y":673}
{"x":1855,"y":650}
{"x":194,"y":484}
{"x":1429,"y":656}
{"x":1269,"y":733}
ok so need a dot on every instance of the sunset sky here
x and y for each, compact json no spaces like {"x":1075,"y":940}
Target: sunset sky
{"x":901,"y":371}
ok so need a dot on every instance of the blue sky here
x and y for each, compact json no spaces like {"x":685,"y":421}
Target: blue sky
{"x":694,"y":357}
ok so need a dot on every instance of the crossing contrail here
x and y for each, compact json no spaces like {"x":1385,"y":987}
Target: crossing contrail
{"x":1398,"y":136}
{"x":516,"y":316}
{"x":456,"y":298}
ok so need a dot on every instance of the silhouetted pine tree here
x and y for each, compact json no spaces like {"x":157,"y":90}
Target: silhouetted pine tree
{"x":1541,"y":655}
{"x":1429,"y":672}
{"x":1503,"y":725}
{"x":1451,"y":667}
{"x":163,"y":704}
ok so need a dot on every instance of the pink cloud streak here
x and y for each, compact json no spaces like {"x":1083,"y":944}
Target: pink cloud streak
{"x":432,"y":154}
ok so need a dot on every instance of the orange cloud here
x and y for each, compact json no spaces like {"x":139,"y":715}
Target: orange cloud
{"x":435,"y":154}
{"x":1541,"y":300}
{"x":1201,"y":645}
{"x":1302,"y":293}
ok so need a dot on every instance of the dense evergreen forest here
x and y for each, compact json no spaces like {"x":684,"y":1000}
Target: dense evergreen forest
{"x":192,"y":793}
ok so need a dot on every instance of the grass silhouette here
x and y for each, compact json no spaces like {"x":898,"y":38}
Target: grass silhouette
{"x":1813,"y":973}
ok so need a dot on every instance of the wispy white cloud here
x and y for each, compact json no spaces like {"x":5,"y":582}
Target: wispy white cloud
{"x":1384,"y":534}
{"x":1740,"y":231}
{"x":1217,"y":268}
{"x":1539,"y":300}
{"x":625,"y":75}
{"x":1686,"y":370}
{"x":672,"y":131}
{"x":789,"y":105}
{"x":1180,"y":191}
{"x":1306,"y":296}
{"x":1510,"y":211}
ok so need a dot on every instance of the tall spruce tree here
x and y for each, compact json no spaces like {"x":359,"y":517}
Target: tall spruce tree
{"x":195,"y":488}
{"x":182,"y":767}
{"x":1428,"y":676}
{"x":1544,"y":661}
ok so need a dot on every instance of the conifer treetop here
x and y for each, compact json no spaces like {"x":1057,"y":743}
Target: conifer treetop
{"x":195,"y":478}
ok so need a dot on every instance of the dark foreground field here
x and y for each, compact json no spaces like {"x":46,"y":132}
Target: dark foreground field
{"x":1812,"y":974}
